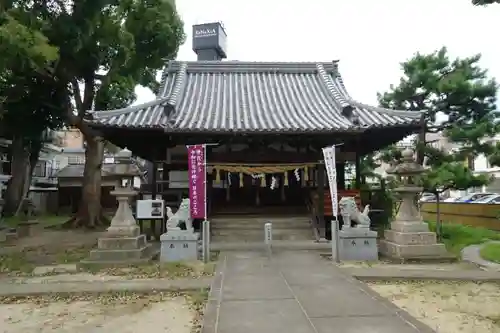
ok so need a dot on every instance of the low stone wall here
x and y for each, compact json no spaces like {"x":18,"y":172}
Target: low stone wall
{"x":476,"y":215}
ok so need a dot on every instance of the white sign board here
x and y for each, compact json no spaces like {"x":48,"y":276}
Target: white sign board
{"x":268,"y":233}
{"x":150,"y":209}
{"x":331,"y":170}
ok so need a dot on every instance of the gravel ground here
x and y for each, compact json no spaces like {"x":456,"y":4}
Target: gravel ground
{"x":447,"y":307}
{"x":116,"y":313}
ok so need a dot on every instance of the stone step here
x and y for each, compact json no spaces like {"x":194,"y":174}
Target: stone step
{"x":259,"y":226}
{"x":260,"y":238}
{"x":275,"y":232}
{"x":257,"y":223}
{"x":259,"y":219}
{"x":302,"y":245}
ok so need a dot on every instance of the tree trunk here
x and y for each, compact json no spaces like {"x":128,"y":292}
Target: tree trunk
{"x":16,"y":186}
{"x":90,"y":212}
{"x":421,"y":142}
{"x":439,"y":225}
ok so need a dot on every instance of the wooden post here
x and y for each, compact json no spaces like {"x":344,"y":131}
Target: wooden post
{"x":210,"y":180}
{"x":341,"y":175}
{"x":321,"y":198}
{"x":358,"y":171}
{"x":154,"y":185}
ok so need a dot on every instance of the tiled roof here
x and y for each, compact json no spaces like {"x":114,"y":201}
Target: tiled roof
{"x":76,"y":171}
{"x":233,"y":96}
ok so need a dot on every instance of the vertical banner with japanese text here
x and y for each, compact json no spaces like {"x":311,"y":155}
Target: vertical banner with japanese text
{"x":331,"y":170}
{"x":197,"y":181}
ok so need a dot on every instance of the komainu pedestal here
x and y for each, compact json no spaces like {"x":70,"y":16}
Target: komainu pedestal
{"x":409,"y":237}
{"x":358,"y":244}
{"x":177,"y":244}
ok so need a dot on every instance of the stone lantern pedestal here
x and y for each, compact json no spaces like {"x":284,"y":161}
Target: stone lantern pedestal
{"x":409,"y":236}
{"x":122,"y":243}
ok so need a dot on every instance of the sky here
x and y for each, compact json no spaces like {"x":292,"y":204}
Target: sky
{"x":369,"y":38}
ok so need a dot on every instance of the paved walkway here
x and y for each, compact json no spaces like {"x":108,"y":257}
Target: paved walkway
{"x":472,"y":254}
{"x":296,"y":292}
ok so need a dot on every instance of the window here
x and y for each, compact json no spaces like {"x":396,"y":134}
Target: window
{"x":40,"y":169}
{"x":76,"y":159}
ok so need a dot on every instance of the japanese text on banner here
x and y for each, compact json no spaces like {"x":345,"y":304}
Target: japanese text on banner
{"x":197,"y":181}
{"x":330,"y":165}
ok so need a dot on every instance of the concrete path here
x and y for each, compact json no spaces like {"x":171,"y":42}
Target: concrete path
{"x":472,"y":254}
{"x":296,"y":292}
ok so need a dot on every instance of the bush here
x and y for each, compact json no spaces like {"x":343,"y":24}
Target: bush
{"x":458,"y":236}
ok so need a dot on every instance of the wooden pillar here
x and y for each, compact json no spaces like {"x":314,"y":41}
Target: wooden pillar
{"x":321,"y":198}
{"x":358,"y":171}
{"x":165,"y":176}
{"x":154,"y":182}
{"x":340,"y":175}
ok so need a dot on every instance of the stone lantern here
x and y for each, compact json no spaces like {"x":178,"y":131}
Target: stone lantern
{"x":409,"y":236}
{"x":122,"y":243}
{"x":123,"y":222}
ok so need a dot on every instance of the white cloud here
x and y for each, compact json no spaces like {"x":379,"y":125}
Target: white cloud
{"x":370,"y":38}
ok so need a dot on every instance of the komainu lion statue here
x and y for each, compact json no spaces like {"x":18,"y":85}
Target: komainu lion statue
{"x":347,"y":206}
{"x":182,"y":215}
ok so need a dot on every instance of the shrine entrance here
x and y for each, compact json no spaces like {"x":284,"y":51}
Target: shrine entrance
{"x":260,"y":188}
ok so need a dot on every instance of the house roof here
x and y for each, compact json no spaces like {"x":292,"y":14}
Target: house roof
{"x":76,"y":171}
{"x":234,"y":96}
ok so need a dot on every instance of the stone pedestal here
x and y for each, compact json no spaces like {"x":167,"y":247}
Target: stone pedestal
{"x":179,"y":245}
{"x":359,"y":244}
{"x":411,"y":241}
{"x":123,"y":243}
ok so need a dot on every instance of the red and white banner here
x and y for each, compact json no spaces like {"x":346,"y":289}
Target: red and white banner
{"x":197,"y":181}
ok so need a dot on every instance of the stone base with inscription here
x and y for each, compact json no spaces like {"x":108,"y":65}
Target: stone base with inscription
{"x":359,"y":244}
{"x":179,"y":245}
{"x":411,"y":240}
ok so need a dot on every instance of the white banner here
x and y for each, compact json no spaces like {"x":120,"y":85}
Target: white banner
{"x":331,"y":171}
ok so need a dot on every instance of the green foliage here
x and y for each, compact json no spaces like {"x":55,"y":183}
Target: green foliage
{"x":457,"y":236}
{"x":452,"y":175}
{"x":484,"y":2}
{"x":109,"y":47}
{"x":27,"y":88}
{"x":368,"y":164}
{"x":491,"y":252}
{"x":459,"y":90}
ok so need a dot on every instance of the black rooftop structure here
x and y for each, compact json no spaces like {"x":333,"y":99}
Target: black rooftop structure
{"x":254,"y":97}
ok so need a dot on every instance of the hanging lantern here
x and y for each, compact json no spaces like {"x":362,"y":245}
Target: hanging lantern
{"x":217,"y":176}
{"x":285,"y":178}
{"x":263,"y":181}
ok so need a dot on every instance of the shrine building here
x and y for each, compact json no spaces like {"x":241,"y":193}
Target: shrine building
{"x":266,"y":124}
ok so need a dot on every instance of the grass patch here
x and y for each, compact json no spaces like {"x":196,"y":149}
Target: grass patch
{"x":458,"y":236}
{"x":15,"y":262}
{"x":73,"y":255}
{"x":491,"y":252}
{"x":47,"y":221}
